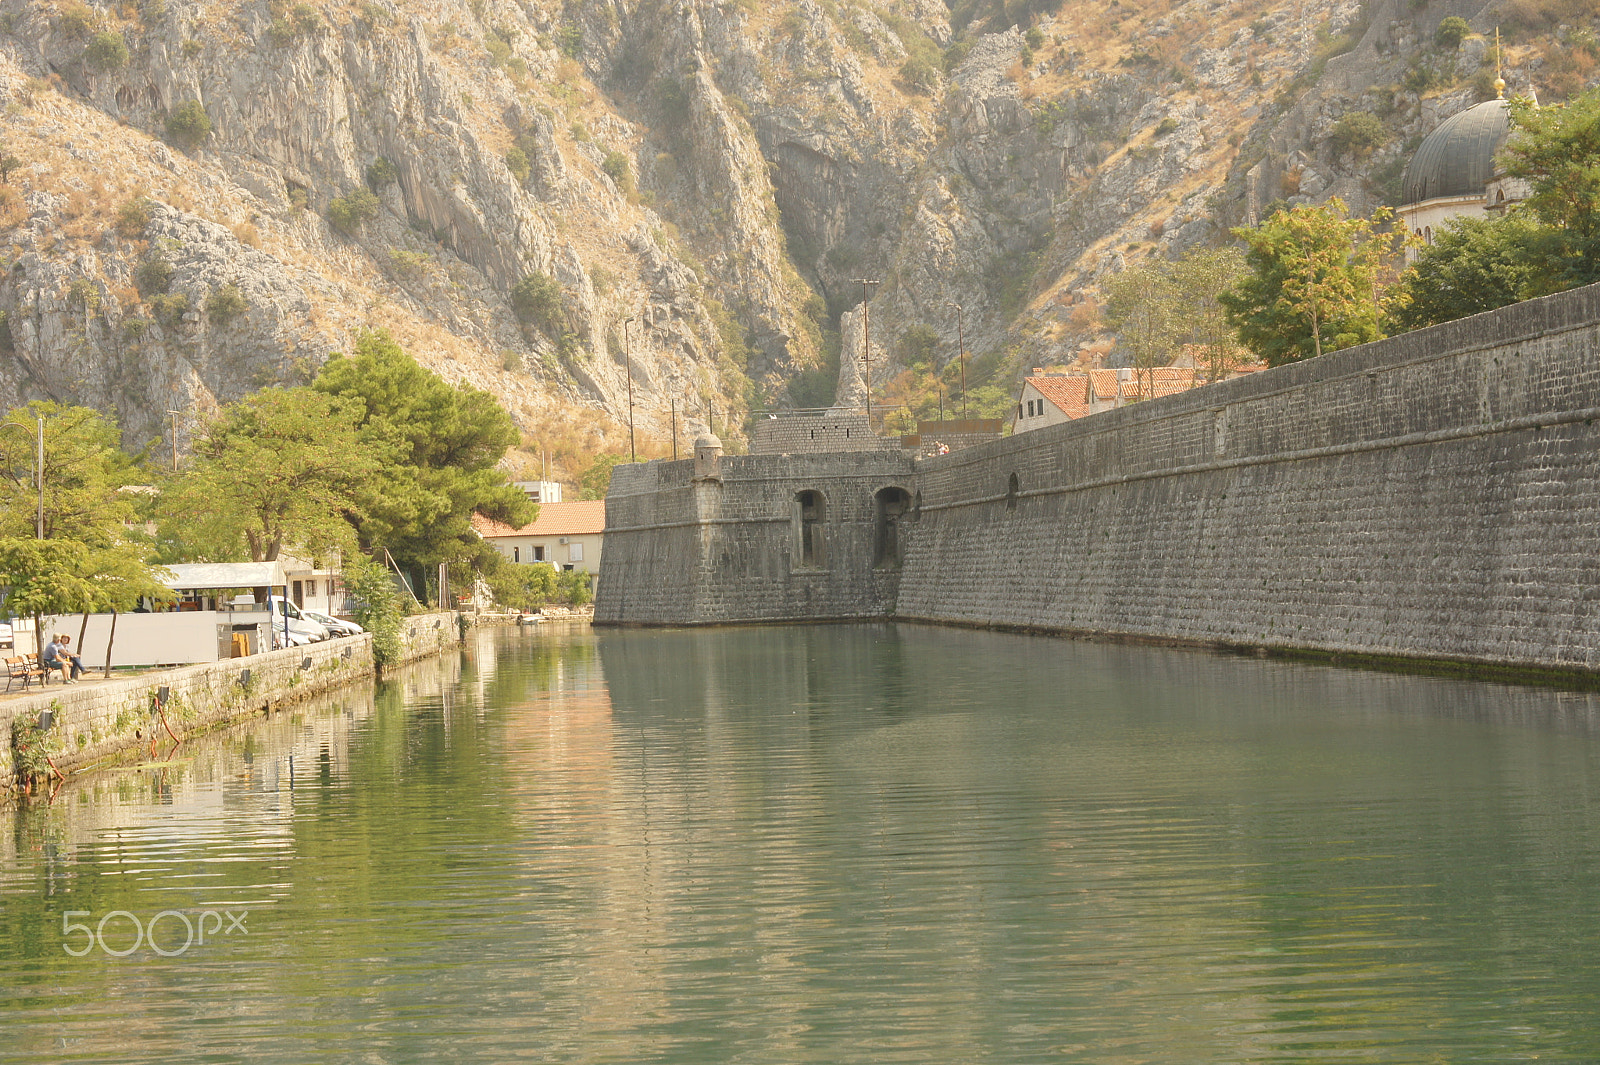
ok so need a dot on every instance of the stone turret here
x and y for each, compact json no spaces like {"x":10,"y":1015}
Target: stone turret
{"x":707,"y":457}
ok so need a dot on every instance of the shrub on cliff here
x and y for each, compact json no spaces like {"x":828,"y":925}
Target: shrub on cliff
{"x":349,"y":212}
{"x":536,"y":299}
{"x":107,"y":51}
{"x":1451,"y":32}
{"x":153,"y":276}
{"x":189,"y":124}
{"x":381,"y":173}
{"x":225,"y":304}
{"x":1358,"y":132}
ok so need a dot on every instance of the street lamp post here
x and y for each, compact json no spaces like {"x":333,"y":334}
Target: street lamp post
{"x":627,"y":355}
{"x":961,"y":356}
{"x":866,"y":347}
{"x":38,"y":468}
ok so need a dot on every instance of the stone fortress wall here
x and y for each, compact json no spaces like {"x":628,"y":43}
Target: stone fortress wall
{"x":1430,"y":496}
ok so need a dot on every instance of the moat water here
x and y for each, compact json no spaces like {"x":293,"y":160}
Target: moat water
{"x":828,"y":844}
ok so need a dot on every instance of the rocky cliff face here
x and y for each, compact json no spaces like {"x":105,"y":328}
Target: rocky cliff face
{"x":705,"y":183}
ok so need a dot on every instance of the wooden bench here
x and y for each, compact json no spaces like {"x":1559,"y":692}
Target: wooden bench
{"x":21,"y":668}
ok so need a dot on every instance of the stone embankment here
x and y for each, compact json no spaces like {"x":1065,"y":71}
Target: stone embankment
{"x":1431,"y":498}
{"x":103,"y":721}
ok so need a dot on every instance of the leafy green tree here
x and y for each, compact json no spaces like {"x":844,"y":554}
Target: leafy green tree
{"x":348,"y":213}
{"x":1358,"y":132}
{"x":520,"y":586}
{"x":381,"y":173}
{"x":1141,"y":307}
{"x":376,"y":604}
{"x":45,"y":577}
{"x":536,"y":299}
{"x":594,"y":481}
{"x":572,"y":586}
{"x":85,"y":471}
{"x":1451,"y":32}
{"x":1557,"y":151}
{"x":1312,"y":282}
{"x":1473,"y":265}
{"x":442,"y":446}
{"x":189,"y":124}
{"x":107,"y":51}
{"x":283,"y":468}
{"x":225,"y":304}
{"x":1198,"y":278}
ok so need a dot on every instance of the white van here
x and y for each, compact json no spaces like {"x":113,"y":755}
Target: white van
{"x":299,"y":624}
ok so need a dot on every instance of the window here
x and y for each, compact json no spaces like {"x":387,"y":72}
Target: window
{"x":538,"y":553}
{"x":575,"y":552}
{"x":809,"y":511}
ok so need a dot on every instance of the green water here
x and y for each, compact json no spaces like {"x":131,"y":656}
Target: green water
{"x":830,"y":844}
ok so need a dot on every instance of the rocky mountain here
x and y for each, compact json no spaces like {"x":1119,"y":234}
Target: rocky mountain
{"x":536,"y":197}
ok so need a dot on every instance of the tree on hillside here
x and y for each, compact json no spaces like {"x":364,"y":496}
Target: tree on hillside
{"x":281,"y":468}
{"x":444,"y":445}
{"x":1312,"y":284}
{"x":1557,"y":151}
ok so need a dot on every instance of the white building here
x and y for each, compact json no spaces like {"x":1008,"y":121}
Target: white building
{"x":569,"y":536}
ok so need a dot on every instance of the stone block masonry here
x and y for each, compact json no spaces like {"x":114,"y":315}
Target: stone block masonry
{"x":771,"y":537}
{"x":1434,"y":496}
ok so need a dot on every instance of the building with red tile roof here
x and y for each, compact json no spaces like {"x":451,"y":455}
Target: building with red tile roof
{"x":569,"y":536}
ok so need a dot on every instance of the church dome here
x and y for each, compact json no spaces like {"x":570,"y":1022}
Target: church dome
{"x":1457,"y":159}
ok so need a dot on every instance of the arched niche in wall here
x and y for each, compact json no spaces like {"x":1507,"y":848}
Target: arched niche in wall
{"x":809,"y":513}
{"x":1012,"y":489}
{"x":891,"y":507}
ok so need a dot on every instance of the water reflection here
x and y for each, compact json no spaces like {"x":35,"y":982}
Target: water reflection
{"x":837,"y":844}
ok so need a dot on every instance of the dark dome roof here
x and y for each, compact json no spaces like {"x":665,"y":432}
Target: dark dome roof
{"x":1457,"y":159}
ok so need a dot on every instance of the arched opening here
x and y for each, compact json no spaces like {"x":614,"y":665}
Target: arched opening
{"x":891,"y":507}
{"x":809,"y":512}
{"x":1011,"y":492}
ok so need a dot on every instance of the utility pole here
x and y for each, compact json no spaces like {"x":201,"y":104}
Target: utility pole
{"x":866,"y":345}
{"x":174,"y":414}
{"x":674,"y":428}
{"x":961,"y":355}
{"x":627,"y":355}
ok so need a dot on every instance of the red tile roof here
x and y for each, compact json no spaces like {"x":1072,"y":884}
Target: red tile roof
{"x":555,"y":519}
{"x":1070,"y":393}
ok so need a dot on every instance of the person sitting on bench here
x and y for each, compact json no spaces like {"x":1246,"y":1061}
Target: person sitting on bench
{"x":58,"y":655}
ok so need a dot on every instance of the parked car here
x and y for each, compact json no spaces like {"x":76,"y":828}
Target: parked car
{"x":298,"y":622}
{"x":296,"y":639}
{"x":337,"y":626}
